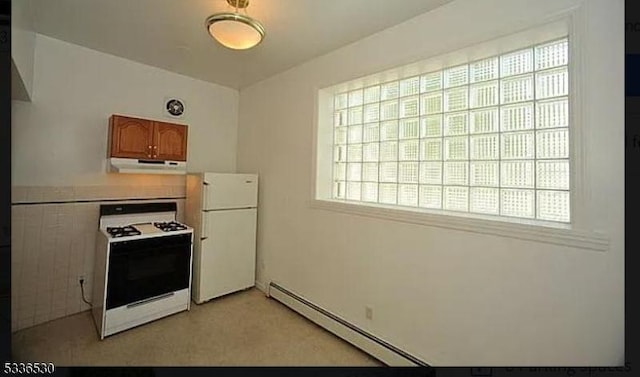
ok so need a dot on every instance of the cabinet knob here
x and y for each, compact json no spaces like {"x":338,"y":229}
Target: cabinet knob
{"x":155,"y":147}
{"x":148,"y":155}
{"x":154,"y":156}
{"x":149,"y":146}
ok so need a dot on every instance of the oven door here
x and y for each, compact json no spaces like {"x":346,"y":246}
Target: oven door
{"x":148,"y":268}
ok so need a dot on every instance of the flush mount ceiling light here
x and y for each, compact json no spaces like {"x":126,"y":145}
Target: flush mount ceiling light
{"x":235,"y":30}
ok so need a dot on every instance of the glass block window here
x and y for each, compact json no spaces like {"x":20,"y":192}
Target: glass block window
{"x":489,"y":137}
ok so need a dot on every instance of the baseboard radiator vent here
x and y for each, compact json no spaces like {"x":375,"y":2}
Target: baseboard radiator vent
{"x":368,"y":343}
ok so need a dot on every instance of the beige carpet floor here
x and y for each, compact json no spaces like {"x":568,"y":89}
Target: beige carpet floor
{"x":242,"y":329}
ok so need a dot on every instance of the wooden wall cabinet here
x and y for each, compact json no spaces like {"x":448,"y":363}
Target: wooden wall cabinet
{"x":147,"y":139}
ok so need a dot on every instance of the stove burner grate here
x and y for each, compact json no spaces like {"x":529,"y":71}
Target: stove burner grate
{"x":170,"y":226}
{"x":123,"y":231}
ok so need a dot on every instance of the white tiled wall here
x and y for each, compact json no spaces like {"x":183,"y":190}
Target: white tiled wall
{"x":53,"y":244}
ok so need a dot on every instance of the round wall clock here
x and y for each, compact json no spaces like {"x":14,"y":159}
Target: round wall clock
{"x":175,"y":107}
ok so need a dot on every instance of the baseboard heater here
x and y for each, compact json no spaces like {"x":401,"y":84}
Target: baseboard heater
{"x":368,"y":343}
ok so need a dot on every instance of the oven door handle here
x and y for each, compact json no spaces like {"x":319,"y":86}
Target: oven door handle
{"x":148,"y":300}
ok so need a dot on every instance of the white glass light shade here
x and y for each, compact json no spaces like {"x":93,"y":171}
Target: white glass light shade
{"x":235,"y":31}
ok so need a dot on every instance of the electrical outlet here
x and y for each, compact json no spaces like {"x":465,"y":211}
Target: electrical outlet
{"x":368,"y":312}
{"x":81,"y":278}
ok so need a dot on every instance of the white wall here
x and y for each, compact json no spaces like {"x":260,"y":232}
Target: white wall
{"x":22,"y":49}
{"x":60,"y":137}
{"x":449,"y":297}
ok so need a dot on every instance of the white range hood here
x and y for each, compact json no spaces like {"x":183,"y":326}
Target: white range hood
{"x":136,"y":166}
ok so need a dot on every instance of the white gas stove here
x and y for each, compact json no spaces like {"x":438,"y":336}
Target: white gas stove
{"x":143,"y":265}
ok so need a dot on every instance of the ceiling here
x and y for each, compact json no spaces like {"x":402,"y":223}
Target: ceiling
{"x":170,"y":34}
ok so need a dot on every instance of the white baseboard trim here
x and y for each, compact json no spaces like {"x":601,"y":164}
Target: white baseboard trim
{"x":262,"y":286}
{"x":368,"y":343}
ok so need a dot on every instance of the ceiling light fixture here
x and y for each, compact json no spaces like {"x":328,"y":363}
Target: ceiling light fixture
{"x":235,"y":30}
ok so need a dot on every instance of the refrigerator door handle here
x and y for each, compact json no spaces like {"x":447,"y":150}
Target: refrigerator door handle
{"x":205,"y":194}
{"x":203,"y":235}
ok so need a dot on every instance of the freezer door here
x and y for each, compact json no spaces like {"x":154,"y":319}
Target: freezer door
{"x":223,"y":191}
{"x":228,"y":253}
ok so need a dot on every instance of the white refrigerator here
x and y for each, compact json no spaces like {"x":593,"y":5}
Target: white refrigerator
{"x":222,"y":209}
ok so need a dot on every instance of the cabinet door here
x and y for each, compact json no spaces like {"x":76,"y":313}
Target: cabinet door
{"x":131,"y":137}
{"x":170,"y":141}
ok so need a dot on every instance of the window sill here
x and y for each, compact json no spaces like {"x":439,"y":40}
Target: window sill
{"x":558,"y":234}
